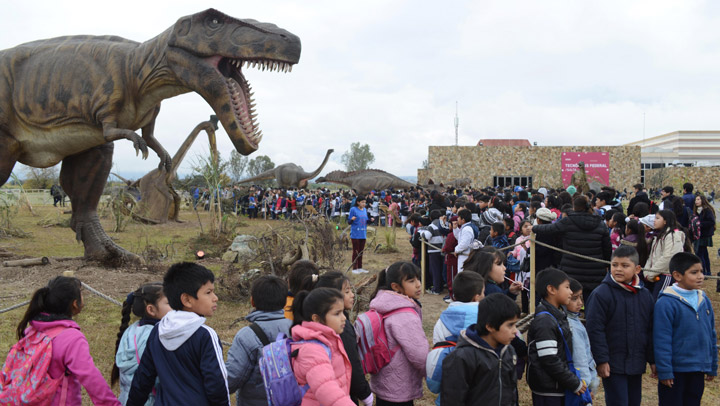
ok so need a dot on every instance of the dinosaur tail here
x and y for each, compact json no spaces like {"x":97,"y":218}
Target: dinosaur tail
{"x":267,"y":175}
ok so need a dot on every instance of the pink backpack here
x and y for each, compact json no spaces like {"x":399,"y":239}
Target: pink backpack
{"x":24,"y":379}
{"x":373,"y":344}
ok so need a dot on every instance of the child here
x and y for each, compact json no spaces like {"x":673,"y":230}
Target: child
{"x":150,"y":304}
{"x":298,"y":272}
{"x":617,"y":229}
{"x":451,"y":260}
{"x":463,"y":311}
{"x":318,"y":315}
{"x":510,"y":233}
{"x":400,"y":381}
{"x":481,"y":370}
{"x":619,"y":323}
{"x":497,"y":236}
{"x":684,"y":335}
{"x":184,"y":353}
{"x":582,"y":355}
{"x":549,"y":374}
{"x":52,"y":308}
{"x":491,"y":266}
{"x":635,"y":237}
{"x":359,"y":387}
{"x":267,"y":296}
{"x":667,"y":241}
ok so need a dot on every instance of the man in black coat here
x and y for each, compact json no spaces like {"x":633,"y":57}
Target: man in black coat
{"x":639,"y":197}
{"x":584,"y":233}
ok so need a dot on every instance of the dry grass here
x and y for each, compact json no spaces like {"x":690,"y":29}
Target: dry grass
{"x":100,"y":319}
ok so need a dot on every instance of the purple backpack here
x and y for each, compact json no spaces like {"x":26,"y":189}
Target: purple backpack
{"x":281,"y":386}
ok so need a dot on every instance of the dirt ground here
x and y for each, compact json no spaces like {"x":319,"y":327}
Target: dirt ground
{"x":100,"y":319}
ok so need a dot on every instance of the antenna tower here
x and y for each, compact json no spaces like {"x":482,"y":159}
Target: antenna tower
{"x":457,"y":123}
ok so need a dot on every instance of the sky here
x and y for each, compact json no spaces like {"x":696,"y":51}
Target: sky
{"x":389,"y":73}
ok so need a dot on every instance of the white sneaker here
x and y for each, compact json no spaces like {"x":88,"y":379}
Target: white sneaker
{"x":357,"y":271}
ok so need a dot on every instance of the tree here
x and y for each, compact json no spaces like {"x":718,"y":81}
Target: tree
{"x":237,"y":165}
{"x":358,"y":157}
{"x":259,"y":165}
{"x":40,"y":178}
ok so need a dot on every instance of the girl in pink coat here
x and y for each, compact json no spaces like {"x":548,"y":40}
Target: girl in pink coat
{"x":401,"y":381}
{"x":53,"y":307}
{"x":319,"y":315}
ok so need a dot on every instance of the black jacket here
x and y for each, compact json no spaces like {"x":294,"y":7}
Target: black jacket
{"x":473,"y":374}
{"x":359,"y":388}
{"x":585,"y":234}
{"x":639,"y":197}
{"x":548,"y":372}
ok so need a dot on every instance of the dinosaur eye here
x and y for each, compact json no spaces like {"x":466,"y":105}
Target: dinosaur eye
{"x":214,"y":22}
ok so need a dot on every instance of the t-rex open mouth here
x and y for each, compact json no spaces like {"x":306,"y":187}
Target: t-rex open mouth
{"x":241,"y":92}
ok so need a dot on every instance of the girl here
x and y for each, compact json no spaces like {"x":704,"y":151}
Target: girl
{"x":706,"y":213}
{"x":53,"y":307}
{"x":358,"y":220}
{"x":667,"y":241}
{"x":359,"y":388}
{"x":635,"y":237}
{"x":150,"y":304}
{"x":296,"y":278}
{"x":491,"y":266}
{"x":617,"y":229}
{"x":400,"y":381}
{"x":319,"y":316}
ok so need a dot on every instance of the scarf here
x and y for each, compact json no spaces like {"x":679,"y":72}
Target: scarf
{"x":633,"y":287}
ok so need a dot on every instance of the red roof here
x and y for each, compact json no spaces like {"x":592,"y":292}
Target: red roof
{"x":504,"y":143}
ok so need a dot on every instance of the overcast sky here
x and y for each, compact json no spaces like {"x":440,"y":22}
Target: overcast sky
{"x":388,"y":73}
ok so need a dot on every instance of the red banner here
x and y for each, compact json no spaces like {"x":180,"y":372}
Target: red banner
{"x":597,"y":166}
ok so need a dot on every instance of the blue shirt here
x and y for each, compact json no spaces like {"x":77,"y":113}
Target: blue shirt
{"x":690,"y":295}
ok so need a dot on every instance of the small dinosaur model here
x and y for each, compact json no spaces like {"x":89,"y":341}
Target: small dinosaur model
{"x":579,"y":178}
{"x":67,"y":99}
{"x":365,"y":181}
{"x":290,"y":175}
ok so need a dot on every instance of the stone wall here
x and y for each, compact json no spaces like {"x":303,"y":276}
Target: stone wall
{"x":703,"y":178}
{"x":482,"y":163}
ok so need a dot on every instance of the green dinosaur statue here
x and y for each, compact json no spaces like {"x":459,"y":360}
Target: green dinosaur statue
{"x":366,"y":180}
{"x":67,"y":99}
{"x":290,"y":175}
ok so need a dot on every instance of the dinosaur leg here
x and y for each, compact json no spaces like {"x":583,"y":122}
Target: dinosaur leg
{"x":9,"y":153}
{"x":83,"y":177}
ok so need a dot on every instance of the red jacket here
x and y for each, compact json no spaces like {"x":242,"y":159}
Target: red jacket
{"x":449,"y":249}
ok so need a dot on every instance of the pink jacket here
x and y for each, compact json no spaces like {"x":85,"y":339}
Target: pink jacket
{"x":402,"y":379}
{"x":329,"y":379}
{"x":71,"y":353}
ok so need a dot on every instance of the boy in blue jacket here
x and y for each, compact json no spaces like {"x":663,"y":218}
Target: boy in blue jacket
{"x":267,"y":296}
{"x":619,"y":317}
{"x":686,"y":350}
{"x":184,"y":353}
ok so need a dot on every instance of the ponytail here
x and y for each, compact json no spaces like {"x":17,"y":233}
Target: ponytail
{"x":136,"y":302}
{"x":56,"y":299}
{"x":396,"y":273}
{"x":319,"y":302}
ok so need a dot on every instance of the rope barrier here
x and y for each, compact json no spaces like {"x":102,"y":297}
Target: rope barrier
{"x":13,"y":307}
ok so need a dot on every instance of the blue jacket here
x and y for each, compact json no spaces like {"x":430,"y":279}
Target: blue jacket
{"x":358,"y":227}
{"x":685,"y":339}
{"x":187,"y":357}
{"x":457,"y":317}
{"x":130,"y":349}
{"x":582,"y":355}
{"x":620,"y":325}
{"x":245,"y":352}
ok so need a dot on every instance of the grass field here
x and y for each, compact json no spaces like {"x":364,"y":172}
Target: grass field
{"x":100,"y":319}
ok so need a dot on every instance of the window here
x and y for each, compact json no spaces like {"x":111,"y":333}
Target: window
{"x":512,"y":181}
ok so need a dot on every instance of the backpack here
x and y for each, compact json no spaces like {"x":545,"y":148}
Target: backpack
{"x":281,"y":386}
{"x":694,"y":227}
{"x":373,"y":345}
{"x":24,"y":379}
{"x":433,"y":364}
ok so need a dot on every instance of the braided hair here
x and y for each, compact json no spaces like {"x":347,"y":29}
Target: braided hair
{"x":136,"y":302}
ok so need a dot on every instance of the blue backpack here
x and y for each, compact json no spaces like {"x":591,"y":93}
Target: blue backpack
{"x":281,"y":386}
{"x":433,"y":366}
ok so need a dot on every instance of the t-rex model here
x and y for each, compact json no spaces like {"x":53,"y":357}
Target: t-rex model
{"x":67,"y":99}
{"x":365,"y":181}
{"x":290,"y":175}
{"x":579,"y":178}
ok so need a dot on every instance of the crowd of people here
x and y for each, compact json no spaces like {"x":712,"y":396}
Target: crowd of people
{"x":646,"y":307}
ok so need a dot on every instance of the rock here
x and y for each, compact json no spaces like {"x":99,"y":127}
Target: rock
{"x":239,"y":249}
{"x":230,"y":256}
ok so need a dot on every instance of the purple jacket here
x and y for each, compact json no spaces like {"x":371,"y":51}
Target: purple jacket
{"x":71,"y":352}
{"x":402,"y":379}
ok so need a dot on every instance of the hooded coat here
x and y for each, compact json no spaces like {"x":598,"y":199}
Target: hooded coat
{"x":127,"y":359}
{"x":585,"y":234}
{"x":187,"y":357}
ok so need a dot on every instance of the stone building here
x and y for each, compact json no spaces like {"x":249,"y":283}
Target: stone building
{"x":533,"y":166}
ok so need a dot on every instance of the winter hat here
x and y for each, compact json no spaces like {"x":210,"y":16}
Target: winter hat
{"x":545,"y":214}
{"x":648,"y":220}
{"x":543,"y":191}
{"x":491,"y":216}
{"x":518,"y":188}
{"x":571,"y":189}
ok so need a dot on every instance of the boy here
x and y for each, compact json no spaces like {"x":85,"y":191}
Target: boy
{"x":549,"y":374}
{"x":481,"y":369}
{"x":619,"y":316}
{"x":184,"y":353}
{"x":469,"y":290}
{"x":267,"y":296}
{"x":582,"y":355}
{"x":497,"y":237}
{"x":685,"y":337}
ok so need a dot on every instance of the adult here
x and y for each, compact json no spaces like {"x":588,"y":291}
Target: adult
{"x":358,"y":220}
{"x":706,"y":213}
{"x":640,"y":197}
{"x":584,"y":233}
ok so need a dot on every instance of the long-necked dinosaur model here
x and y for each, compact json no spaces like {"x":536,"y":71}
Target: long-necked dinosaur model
{"x":290,"y":175}
{"x":66,"y":99}
{"x":366,"y":180}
